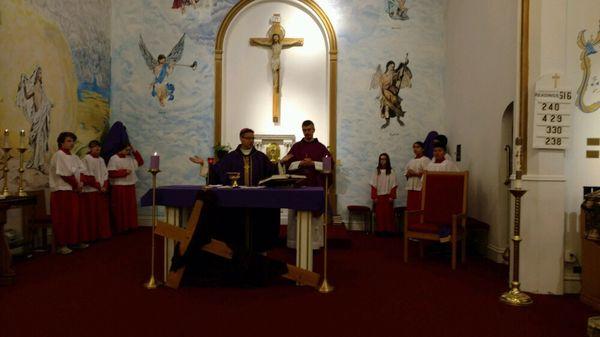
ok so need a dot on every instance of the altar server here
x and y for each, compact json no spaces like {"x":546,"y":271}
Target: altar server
{"x":64,"y":175}
{"x":306,"y":158}
{"x":383,"y":193}
{"x":414,"y":175}
{"x":94,"y":212}
{"x":121,"y":171}
{"x":440,"y":162}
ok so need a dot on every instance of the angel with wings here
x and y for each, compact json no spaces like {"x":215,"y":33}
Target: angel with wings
{"x":161,"y":68}
{"x":389,"y":83}
{"x":36,"y":106}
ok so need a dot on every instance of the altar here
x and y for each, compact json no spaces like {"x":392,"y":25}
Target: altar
{"x":179,"y":199}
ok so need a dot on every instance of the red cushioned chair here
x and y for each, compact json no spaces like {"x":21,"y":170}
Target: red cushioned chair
{"x":443,"y":212}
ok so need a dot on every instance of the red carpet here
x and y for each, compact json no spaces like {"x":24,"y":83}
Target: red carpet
{"x":97,"y":292}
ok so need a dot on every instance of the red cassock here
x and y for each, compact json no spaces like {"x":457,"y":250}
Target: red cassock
{"x":384,"y":210}
{"x":93,"y":212}
{"x":123,"y":203}
{"x":64,"y":208}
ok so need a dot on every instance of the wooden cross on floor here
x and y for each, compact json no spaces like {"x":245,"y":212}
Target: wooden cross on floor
{"x":184,"y":237}
{"x":276,"y":41}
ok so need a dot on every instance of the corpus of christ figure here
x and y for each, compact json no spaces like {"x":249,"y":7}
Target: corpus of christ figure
{"x":276,"y":40}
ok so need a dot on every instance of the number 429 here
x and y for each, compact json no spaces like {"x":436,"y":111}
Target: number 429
{"x":552,"y":118}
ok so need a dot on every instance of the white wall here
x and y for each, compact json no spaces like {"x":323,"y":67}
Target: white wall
{"x":247,"y":99}
{"x":581,"y":14}
{"x":480,"y":82}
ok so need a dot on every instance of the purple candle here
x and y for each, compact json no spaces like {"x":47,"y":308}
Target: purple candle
{"x":154,"y":161}
{"x":326,"y":164}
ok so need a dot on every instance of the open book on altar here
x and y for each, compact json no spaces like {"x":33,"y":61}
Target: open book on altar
{"x":282,"y":180}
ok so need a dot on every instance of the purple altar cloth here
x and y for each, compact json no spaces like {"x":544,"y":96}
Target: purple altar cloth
{"x":301,"y":198}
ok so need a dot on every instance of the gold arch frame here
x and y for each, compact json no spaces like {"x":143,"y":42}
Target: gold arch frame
{"x":332,"y":46}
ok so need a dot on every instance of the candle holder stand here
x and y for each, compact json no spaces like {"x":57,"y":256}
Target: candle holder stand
{"x":21,"y":192}
{"x":6,"y":155}
{"x":152,"y":282}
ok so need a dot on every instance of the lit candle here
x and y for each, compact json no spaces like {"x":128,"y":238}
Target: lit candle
{"x":6,"y":144}
{"x":22,"y":139}
{"x":326,"y":164}
{"x":154,"y":161}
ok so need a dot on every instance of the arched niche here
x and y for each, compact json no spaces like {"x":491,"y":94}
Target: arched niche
{"x":310,"y":8}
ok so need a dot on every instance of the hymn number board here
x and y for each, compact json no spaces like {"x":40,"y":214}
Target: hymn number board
{"x":552,"y":117}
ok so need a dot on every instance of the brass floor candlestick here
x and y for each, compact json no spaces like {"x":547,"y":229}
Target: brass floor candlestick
{"x":5,"y":193}
{"x":152,"y":282}
{"x":21,"y":192}
{"x":325,"y":286}
{"x":515,"y":296}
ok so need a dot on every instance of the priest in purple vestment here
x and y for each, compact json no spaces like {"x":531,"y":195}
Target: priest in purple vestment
{"x":306,"y":158}
{"x":253,"y":166}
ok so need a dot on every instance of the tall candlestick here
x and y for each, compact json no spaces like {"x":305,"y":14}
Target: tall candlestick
{"x":5,"y":143}
{"x":22,"y":139}
{"x":154,"y":161}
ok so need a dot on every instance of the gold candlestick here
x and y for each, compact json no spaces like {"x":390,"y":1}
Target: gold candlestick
{"x":5,"y":193}
{"x":325,"y":286}
{"x":152,"y":282}
{"x":514,"y":296}
{"x":21,"y":192}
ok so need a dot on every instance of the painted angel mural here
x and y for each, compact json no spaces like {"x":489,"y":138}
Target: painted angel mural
{"x":182,"y":4}
{"x":397,"y":9}
{"x":389,"y":84}
{"x":589,"y":88}
{"x":36,"y":106}
{"x":162,"y":67}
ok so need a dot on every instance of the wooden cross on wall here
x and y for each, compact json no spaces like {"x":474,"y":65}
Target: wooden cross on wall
{"x":276,"y":41}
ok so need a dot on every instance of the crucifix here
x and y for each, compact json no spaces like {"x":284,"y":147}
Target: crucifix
{"x":277,"y":41}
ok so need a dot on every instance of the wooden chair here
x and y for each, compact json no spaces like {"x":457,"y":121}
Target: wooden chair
{"x":219,"y":248}
{"x":443,"y":211}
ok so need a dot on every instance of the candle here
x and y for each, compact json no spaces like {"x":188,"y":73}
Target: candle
{"x":6,"y":144}
{"x":326,"y":164}
{"x":154,"y":161}
{"x":518,"y":157}
{"x":22,"y":139}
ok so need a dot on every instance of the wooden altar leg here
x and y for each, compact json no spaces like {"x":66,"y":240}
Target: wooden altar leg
{"x":304,"y":253}
{"x":7,"y":274}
